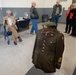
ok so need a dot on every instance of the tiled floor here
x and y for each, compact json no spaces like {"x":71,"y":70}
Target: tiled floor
{"x":16,"y":60}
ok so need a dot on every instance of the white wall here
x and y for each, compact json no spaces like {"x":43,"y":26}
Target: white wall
{"x":27,"y":3}
{"x":50,"y":3}
{"x":0,"y":4}
{"x":21,"y":3}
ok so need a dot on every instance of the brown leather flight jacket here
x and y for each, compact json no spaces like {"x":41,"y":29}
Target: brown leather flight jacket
{"x":48,"y":51}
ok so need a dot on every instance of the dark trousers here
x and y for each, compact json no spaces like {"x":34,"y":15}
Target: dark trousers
{"x":67,"y":25}
{"x":73,"y":28}
{"x":70,"y":25}
{"x":73,"y":31}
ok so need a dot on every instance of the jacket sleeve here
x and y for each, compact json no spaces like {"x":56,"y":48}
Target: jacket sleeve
{"x":73,"y":10}
{"x":53,"y":10}
{"x":37,"y":16}
{"x":31,"y":12}
{"x":59,"y":51}
{"x":4,"y":21}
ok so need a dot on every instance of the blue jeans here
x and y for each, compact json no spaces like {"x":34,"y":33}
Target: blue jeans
{"x":55,"y":19}
{"x":34,"y":26}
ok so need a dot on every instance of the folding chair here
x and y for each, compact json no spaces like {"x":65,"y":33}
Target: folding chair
{"x":6,"y":35}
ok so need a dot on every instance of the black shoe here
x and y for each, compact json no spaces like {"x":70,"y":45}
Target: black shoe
{"x":31,"y":33}
{"x":15,"y":43}
{"x":65,"y":32}
{"x":71,"y":34}
{"x":68,"y":32}
{"x":74,"y":35}
{"x":20,"y":40}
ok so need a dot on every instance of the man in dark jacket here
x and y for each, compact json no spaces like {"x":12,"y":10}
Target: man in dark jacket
{"x":34,"y":16}
{"x":48,"y":49}
{"x":57,"y":9}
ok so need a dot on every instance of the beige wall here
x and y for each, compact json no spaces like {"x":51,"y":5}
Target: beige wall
{"x":21,"y":3}
{"x":50,"y":3}
{"x":0,"y":4}
{"x":27,"y":3}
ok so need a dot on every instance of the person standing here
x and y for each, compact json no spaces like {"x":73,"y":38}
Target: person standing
{"x":57,"y":9}
{"x":74,"y":22}
{"x":69,"y":17}
{"x":34,"y":16}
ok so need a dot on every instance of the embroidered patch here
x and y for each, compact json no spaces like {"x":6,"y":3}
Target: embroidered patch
{"x":60,"y":59}
{"x":45,"y":26}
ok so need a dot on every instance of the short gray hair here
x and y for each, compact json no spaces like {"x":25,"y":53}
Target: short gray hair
{"x":8,"y":11}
